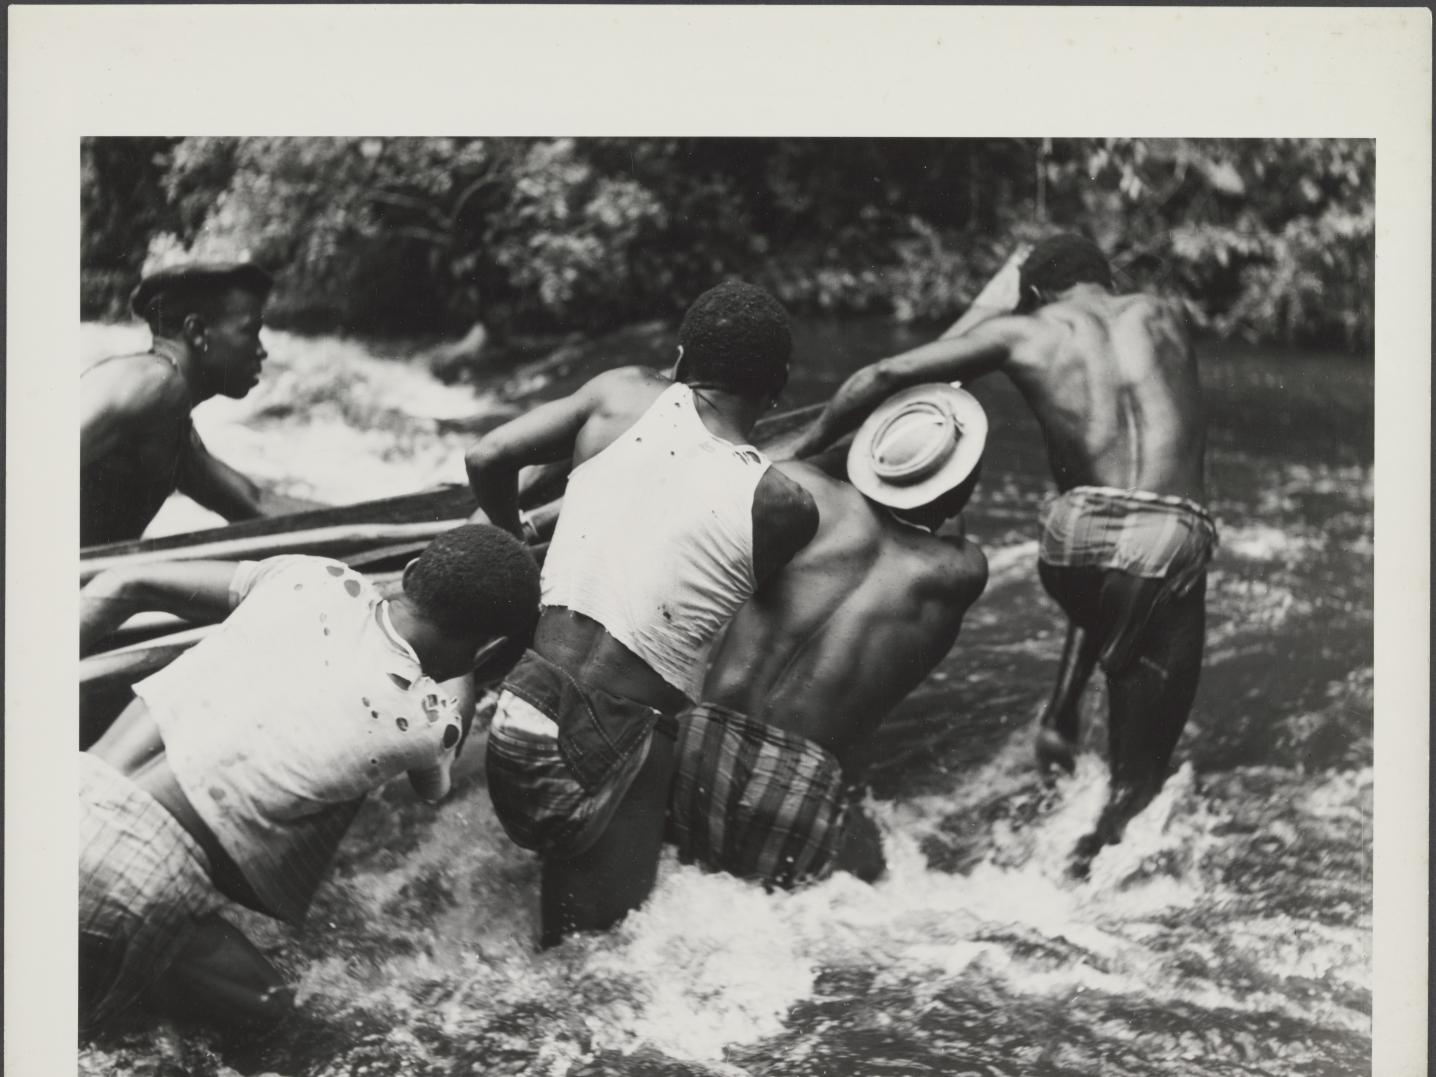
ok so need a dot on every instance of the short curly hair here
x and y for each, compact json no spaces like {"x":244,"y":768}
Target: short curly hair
{"x":476,"y":580}
{"x":736,"y":337}
{"x":1063,"y":260}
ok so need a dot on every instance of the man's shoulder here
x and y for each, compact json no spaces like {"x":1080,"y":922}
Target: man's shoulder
{"x":312,"y":580}
{"x":621,"y":383}
{"x":841,"y":509}
{"x":139,"y":381}
{"x":945,"y":566}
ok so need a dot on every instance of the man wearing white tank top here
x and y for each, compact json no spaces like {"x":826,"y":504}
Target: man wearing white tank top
{"x":670,"y":522}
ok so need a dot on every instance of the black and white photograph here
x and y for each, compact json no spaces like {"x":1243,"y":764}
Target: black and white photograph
{"x":560,"y":601}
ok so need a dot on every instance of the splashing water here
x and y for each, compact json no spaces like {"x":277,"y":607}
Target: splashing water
{"x":1229,"y":933}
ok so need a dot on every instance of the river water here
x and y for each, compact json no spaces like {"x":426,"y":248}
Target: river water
{"x":1230,"y":933}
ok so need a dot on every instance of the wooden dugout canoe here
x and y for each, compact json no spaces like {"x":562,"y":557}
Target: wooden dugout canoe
{"x":376,"y":537}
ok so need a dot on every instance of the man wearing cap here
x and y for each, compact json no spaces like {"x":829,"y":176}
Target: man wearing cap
{"x":137,"y":443}
{"x":1112,"y":380}
{"x":771,"y":765}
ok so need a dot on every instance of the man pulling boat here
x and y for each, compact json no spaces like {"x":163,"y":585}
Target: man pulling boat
{"x":237,"y":769}
{"x":137,"y":442}
{"x":670,"y":522}
{"x":770,"y":764}
{"x":1112,"y":380}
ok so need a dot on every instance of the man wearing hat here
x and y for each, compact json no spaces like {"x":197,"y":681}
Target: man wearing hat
{"x":770,"y":764}
{"x":1112,"y":379}
{"x":137,"y":443}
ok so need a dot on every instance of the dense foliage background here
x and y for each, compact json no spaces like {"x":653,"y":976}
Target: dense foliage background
{"x":1268,"y":240}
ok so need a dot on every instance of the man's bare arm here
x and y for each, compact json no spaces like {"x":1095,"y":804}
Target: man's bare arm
{"x":195,"y":590}
{"x":785,"y":519}
{"x":1001,"y":295}
{"x":217,"y":486}
{"x":544,"y":435}
{"x":975,"y":353}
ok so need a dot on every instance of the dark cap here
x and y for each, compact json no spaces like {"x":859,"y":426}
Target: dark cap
{"x":200,"y":276}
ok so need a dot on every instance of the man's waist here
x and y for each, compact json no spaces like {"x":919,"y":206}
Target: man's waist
{"x":1133,"y":498}
{"x":160,"y":782}
{"x":589,"y":654}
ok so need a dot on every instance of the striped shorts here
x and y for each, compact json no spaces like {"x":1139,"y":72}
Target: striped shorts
{"x":1136,"y":532}
{"x":144,"y":883}
{"x":754,"y":801}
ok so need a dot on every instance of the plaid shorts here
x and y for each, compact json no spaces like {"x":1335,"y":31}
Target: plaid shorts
{"x":144,"y":883}
{"x":754,"y":801}
{"x":561,"y":756}
{"x":1143,"y":534}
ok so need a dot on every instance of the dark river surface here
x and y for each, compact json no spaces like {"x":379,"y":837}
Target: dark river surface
{"x":1230,"y":933}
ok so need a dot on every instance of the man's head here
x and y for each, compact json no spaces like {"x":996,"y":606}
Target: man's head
{"x":920,"y":452}
{"x":216,"y":310}
{"x":1058,"y":263}
{"x":470,"y":587}
{"x":735,"y":337}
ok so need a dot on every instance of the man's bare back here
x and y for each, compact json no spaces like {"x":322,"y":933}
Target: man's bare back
{"x":1113,"y":382}
{"x":132,"y":453}
{"x":850,"y":626}
{"x":137,"y":443}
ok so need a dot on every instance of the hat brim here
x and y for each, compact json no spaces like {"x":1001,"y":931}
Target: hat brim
{"x":972,"y":420}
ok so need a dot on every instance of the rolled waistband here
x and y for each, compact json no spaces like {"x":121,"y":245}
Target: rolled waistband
{"x":1137,"y":498}
{"x":752,"y":727}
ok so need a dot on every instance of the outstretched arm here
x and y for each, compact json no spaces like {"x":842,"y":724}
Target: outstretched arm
{"x":949,"y":359}
{"x":1001,"y":295}
{"x":544,"y":435}
{"x":217,"y":486}
{"x":196,"y":590}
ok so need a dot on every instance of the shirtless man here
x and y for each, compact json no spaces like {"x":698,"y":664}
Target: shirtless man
{"x":238,"y":768}
{"x":769,"y":762}
{"x":669,"y":523}
{"x":137,"y":443}
{"x":1113,"y":382}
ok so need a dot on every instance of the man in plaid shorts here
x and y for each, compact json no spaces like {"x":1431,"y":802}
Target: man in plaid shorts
{"x":1112,"y":379}
{"x":237,"y":769}
{"x":771,"y":766}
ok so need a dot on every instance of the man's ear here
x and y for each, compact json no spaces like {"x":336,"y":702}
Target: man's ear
{"x":677,"y":363}
{"x":194,"y":330}
{"x":404,"y":579}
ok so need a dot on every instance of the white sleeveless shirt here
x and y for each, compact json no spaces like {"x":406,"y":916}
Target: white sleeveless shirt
{"x":655,"y":538}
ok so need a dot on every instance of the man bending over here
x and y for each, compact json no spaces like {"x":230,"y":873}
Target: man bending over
{"x":1112,"y":380}
{"x":669,"y":523}
{"x":237,"y":769}
{"x":771,"y":762}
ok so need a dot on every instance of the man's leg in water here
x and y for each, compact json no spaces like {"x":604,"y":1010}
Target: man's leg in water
{"x":600,"y":886}
{"x":860,"y":850}
{"x":1059,"y":726}
{"x":1150,"y":696}
{"x":219,"y":976}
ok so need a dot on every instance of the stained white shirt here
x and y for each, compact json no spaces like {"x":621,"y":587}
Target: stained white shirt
{"x":279,"y":723}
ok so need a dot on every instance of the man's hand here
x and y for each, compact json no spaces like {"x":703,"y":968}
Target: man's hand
{"x":1004,"y":290}
{"x":1001,"y":295}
